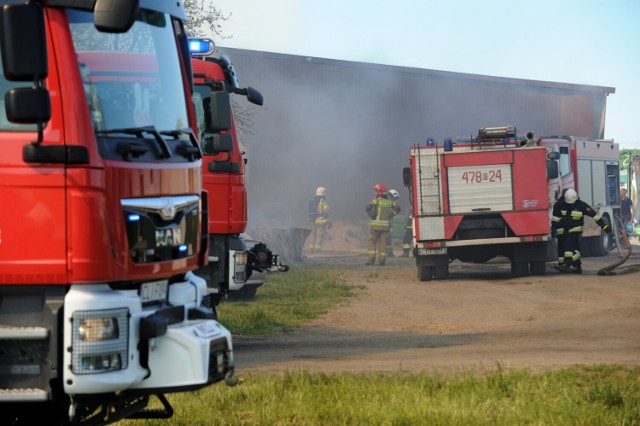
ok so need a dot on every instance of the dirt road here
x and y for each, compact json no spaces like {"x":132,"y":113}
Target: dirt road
{"x":481,"y":317}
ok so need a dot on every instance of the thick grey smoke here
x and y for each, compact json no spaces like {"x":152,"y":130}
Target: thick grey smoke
{"x":347,"y":126}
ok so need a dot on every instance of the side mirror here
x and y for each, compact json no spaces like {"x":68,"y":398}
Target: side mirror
{"x":219,"y":116}
{"x":23,"y":42}
{"x":215,"y":144}
{"x":115,"y":16}
{"x":406,"y":176}
{"x":254,"y":96}
{"x":552,"y":169}
{"x":26,"y":105}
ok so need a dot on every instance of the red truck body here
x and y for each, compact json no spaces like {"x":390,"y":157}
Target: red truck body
{"x":227,"y":190}
{"x":233,"y":257}
{"x":478,"y":200}
{"x":101,"y":227}
{"x":492,"y":196}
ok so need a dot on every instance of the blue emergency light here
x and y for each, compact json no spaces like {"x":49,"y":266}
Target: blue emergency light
{"x":201,"y":46}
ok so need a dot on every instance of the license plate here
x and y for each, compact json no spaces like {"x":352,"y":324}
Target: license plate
{"x":154,"y":291}
{"x":432,"y":251}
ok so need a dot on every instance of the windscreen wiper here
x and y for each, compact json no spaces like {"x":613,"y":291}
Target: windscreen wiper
{"x":184,"y":149}
{"x":140,"y":132}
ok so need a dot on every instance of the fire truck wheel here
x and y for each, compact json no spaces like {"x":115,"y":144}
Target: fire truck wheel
{"x":538,"y":267}
{"x":519,"y":269}
{"x":248,"y":291}
{"x":601,"y":245}
{"x":442,"y":272}
{"x":425,"y":273}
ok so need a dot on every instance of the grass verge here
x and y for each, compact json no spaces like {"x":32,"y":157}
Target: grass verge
{"x":285,"y":301}
{"x":596,"y":395}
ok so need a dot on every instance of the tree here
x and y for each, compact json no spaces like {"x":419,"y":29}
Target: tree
{"x":626,"y":155}
{"x":204,"y":19}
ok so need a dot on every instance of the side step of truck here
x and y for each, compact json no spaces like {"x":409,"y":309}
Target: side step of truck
{"x":16,"y":341}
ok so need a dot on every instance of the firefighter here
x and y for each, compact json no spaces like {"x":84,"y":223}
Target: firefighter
{"x":557,"y":228}
{"x":381,"y":209}
{"x":408,"y":236}
{"x":572,"y":213}
{"x":395,"y":196}
{"x":321,"y":219}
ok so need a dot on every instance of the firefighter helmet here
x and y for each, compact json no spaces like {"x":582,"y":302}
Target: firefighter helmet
{"x":570,"y":196}
{"x":380,"y":188}
{"x":394,"y":194}
{"x":321,"y":191}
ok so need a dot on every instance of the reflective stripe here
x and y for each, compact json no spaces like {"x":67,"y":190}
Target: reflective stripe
{"x":597,"y":217}
{"x":380,"y":225}
{"x":560,"y":231}
{"x":576,"y":215}
{"x":555,"y":219}
{"x":576,"y":229}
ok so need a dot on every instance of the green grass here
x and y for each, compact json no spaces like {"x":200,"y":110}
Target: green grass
{"x":597,"y":395}
{"x":288,"y":299}
{"x":582,"y":395}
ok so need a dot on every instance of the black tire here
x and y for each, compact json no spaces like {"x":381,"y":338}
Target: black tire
{"x":538,"y":267}
{"x":214,"y":309}
{"x":246,"y":292}
{"x":425,"y":273}
{"x":519,"y":269}
{"x":602,"y":244}
{"x":442,"y":272}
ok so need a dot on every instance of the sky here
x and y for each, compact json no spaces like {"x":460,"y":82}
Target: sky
{"x":594,"y":42}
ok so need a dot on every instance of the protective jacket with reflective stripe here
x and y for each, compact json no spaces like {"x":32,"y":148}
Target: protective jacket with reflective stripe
{"x":572,"y":216}
{"x":381,"y":210}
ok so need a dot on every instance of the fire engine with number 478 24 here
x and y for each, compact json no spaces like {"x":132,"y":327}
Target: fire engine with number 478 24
{"x":491,"y":196}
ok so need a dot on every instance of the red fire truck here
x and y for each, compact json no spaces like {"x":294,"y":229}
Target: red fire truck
{"x":491,"y":196}
{"x":233,"y":257}
{"x":101,"y":225}
{"x":479,"y":199}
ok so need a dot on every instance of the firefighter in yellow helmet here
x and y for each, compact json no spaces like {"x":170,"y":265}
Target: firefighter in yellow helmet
{"x":380,"y":210}
{"x":319,"y":214}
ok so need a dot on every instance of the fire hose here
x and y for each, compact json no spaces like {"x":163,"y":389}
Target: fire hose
{"x":608,"y":270}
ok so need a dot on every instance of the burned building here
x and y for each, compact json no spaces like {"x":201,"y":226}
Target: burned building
{"x":349,"y":125}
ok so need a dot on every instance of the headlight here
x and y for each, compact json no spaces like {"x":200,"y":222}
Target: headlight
{"x":99,"y":341}
{"x":95,"y":329}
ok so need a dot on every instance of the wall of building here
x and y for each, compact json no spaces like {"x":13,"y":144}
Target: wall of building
{"x":348,"y":125}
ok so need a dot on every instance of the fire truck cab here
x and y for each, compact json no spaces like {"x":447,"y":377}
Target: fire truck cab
{"x":101,"y":227}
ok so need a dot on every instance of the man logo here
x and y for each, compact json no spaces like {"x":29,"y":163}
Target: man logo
{"x":168,"y":210}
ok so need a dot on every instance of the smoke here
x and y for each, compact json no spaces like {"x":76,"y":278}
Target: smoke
{"x":347,"y":126}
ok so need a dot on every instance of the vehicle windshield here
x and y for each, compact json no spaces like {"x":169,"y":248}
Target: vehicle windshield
{"x":200,"y":93}
{"x":132,"y":79}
